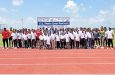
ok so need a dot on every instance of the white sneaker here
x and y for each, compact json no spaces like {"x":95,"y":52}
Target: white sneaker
{"x":102,"y":47}
{"x":112,"y":48}
{"x":15,"y":48}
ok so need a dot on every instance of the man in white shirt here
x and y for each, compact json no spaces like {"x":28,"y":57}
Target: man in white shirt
{"x":110,"y":37}
{"x":105,"y":38}
{"x":25,"y":39}
{"x":53,"y":40}
{"x":71,"y":39}
{"x":45,"y":40}
{"x":89,"y":42}
{"x":19,"y":39}
{"x":48,"y":41}
{"x":82,"y":39}
{"x":67,"y":40}
{"x":14,"y":38}
{"x":86,"y":38}
{"x":29,"y":36}
{"x":33,"y":34}
{"x":58,"y":40}
{"x":77,"y":39}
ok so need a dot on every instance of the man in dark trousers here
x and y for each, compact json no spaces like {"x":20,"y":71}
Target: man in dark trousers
{"x":5,"y":36}
{"x":110,"y":37}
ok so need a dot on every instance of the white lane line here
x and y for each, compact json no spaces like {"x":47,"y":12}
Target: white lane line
{"x":59,"y":74}
{"x":60,"y":53}
{"x":56,"y":53}
{"x":62,"y":58}
{"x":57,"y":64}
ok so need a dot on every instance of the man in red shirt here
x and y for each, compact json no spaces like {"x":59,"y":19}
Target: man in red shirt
{"x":5,"y":36}
{"x":38,"y":33}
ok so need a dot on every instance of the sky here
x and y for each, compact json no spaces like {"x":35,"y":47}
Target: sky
{"x":82,"y":13}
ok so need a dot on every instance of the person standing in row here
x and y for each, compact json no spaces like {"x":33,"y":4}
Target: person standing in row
{"x":110,"y":37}
{"x":57,"y":40}
{"x":10,"y":38}
{"x":14,"y":38}
{"x":19,"y":39}
{"x":33,"y":34}
{"x":5,"y":36}
{"x":77,"y":39}
{"x":29,"y":36}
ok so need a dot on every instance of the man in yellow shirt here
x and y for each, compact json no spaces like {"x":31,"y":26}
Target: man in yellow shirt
{"x":101,"y":35}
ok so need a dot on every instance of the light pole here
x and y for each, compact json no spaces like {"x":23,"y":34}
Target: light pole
{"x":22,"y":22}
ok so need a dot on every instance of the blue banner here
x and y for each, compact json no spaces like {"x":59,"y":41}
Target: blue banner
{"x":53,"y":21}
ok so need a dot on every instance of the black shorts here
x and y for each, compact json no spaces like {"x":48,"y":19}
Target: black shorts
{"x":37,"y":39}
{"x":96,"y":39}
{"x":10,"y":38}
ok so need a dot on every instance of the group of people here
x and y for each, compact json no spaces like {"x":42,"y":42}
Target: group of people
{"x":58,"y":38}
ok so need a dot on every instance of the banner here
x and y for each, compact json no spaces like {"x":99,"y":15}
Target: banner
{"x":53,"y":21}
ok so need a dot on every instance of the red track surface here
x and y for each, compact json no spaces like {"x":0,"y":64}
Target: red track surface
{"x":27,"y":61}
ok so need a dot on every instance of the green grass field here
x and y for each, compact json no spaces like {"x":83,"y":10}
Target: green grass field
{"x":114,"y":42}
{"x":2,"y":43}
{"x":0,"y":40}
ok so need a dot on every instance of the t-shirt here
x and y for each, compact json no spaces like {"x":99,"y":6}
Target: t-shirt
{"x":25,"y":37}
{"x":67,"y":37}
{"x":33,"y":35}
{"x":96,"y":34}
{"x":29,"y":36}
{"x":110,"y":34}
{"x":48,"y":40}
{"x":14,"y":36}
{"x":5,"y":34}
{"x":71,"y":36}
{"x":19,"y":35}
{"x":77,"y":36}
{"x":82,"y":35}
{"x":86,"y":35}
{"x":101,"y":33}
{"x":57,"y":38}
{"x":10,"y":32}
{"x":62,"y":37}
{"x":38,"y":33}
{"x":45,"y":37}
{"x":52,"y":36}
{"x":89,"y":35}
{"x":41,"y":37}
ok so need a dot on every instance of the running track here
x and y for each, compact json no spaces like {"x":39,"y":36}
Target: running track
{"x":27,"y":61}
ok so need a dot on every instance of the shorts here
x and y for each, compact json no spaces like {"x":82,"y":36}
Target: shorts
{"x":96,"y":39}
{"x":37,"y":39}
{"x":41,"y":42}
{"x":10,"y":38}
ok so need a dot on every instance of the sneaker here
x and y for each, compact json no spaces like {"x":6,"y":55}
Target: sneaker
{"x":15,"y":48}
{"x":102,"y":47}
{"x":112,"y":48}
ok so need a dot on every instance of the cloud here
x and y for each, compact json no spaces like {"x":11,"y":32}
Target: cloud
{"x":100,"y":19}
{"x":17,"y":2}
{"x":2,"y":20}
{"x":103,"y":17}
{"x":2,"y":9}
{"x":71,"y":7}
{"x":14,"y":10}
{"x":30,"y":20}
